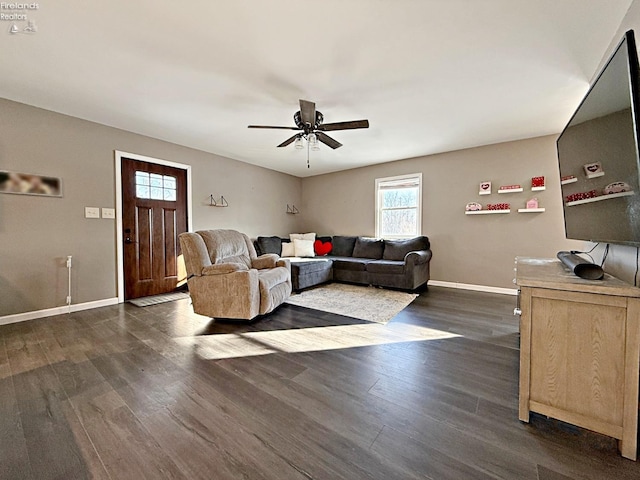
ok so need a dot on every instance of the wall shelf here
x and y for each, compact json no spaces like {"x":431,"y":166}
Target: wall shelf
{"x":538,"y":189}
{"x":219,"y":203}
{"x":486,"y":212}
{"x":595,"y":175}
{"x":569,"y":180}
{"x":600,"y":198}
{"x":531,"y":210}
{"x":511,"y":190}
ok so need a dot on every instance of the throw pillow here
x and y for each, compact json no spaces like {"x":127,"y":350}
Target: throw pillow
{"x":288,"y":250}
{"x":368,"y":248}
{"x":322,"y":248}
{"x":269,"y":245}
{"x":302,"y":236}
{"x":343,"y":246}
{"x":303,"y":248}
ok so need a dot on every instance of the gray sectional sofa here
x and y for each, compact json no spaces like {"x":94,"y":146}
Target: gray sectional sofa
{"x":402,"y":264}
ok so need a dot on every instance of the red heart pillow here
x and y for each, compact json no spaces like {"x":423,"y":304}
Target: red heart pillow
{"x":322,"y":248}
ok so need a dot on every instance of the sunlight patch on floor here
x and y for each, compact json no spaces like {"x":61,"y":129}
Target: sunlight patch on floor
{"x":215,"y":347}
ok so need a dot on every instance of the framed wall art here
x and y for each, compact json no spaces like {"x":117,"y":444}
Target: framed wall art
{"x":30,"y":184}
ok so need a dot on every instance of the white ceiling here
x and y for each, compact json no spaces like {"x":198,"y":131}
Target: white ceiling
{"x":430,"y":75}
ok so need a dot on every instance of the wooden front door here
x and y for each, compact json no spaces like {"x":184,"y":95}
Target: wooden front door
{"x":154,"y":213}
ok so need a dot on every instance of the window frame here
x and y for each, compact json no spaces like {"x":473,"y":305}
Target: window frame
{"x":380,"y":182}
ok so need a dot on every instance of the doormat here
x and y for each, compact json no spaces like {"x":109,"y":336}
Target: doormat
{"x":156,"y":299}
{"x":366,"y":303}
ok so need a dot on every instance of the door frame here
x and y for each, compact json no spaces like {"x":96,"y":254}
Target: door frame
{"x":119,"y":155}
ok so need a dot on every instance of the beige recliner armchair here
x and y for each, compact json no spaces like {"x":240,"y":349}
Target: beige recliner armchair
{"x":227,"y":279}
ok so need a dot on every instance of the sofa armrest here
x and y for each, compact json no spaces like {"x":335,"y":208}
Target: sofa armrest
{"x":223,"y":268}
{"x":284,"y":262}
{"x":417,"y":257}
{"x":268,"y":260}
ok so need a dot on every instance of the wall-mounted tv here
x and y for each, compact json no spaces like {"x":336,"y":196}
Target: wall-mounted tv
{"x":599,"y":157}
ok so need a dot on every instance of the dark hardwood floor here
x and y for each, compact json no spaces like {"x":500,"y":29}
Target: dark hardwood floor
{"x":158,"y":392}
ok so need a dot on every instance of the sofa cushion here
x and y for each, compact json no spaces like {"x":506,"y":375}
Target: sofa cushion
{"x":354,"y":264}
{"x":224,"y":268}
{"x":368,"y":248}
{"x":272,"y":277}
{"x":386,"y":266}
{"x":306,"y":266}
{"x":343,"y":246}
{"x":227,"y":246}
{"x":268,"y":260}
{"x":269,"y":245}
{"x":398,"y":249}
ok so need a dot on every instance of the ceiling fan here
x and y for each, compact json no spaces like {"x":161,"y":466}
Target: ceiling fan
{"x":308,"y":122}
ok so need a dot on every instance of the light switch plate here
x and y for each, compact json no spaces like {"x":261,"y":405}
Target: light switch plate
{"x":91,"y":212}
{"x":108,"y":213}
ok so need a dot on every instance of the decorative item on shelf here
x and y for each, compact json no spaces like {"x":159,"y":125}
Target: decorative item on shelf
{"x":498,"y":206}
{"x":593,"y":170}
{"x":616,"y":187}
{"x":292,"y":209}
{"x":537,"y":184}
{"x":473,"y":207}
{"x":510,"y":188}
{"x":581,"y":196}
{"x":533,"y":203}
{"x":485,"y":188}
{"x":568,"y":179}
{"x":219,"y":203}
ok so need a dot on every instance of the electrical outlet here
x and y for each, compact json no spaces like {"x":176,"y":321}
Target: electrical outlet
{"x":108,"y":213}
{"x":91,"y":212}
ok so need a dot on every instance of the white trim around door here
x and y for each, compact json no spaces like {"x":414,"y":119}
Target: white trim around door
{"x":118,"y":161}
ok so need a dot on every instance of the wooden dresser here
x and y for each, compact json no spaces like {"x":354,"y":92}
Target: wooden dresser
{"x":579,"y":350}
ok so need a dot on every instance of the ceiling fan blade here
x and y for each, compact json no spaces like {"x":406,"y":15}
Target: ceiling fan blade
{"x":327,"y":140}
{"x":267,"y":126}
{"x":308,"y":112}
{"x":288,"y":141}
{"x":327,"y":127}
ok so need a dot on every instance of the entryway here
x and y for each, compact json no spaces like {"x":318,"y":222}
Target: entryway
{"x":153,"y":200}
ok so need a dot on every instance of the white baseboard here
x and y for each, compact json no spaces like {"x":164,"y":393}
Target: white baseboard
{"x":477,"y":288}
{"x":21,"y":317}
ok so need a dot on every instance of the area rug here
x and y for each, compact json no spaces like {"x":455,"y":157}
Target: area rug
{"x":366,"y":303}
{"x":156,"y":299}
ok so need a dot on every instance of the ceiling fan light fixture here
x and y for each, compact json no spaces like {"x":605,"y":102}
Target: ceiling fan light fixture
{"x":313,"y":142}
{"x":298,"y":143}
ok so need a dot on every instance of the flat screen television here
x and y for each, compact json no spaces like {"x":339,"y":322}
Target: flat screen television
{"x":599,"y":158}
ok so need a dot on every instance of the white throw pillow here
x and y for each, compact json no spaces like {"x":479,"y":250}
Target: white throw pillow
{"x":302,"y":236}
{"x":304,"y":248}
{"x":288,"y":249}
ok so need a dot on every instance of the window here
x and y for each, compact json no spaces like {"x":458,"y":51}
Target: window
{"x":155,"y":186}
{"x":398,"y":206}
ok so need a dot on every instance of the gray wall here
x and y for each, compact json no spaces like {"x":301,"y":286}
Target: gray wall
{"x":478,"y":250}
{"x":37,"y":233}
